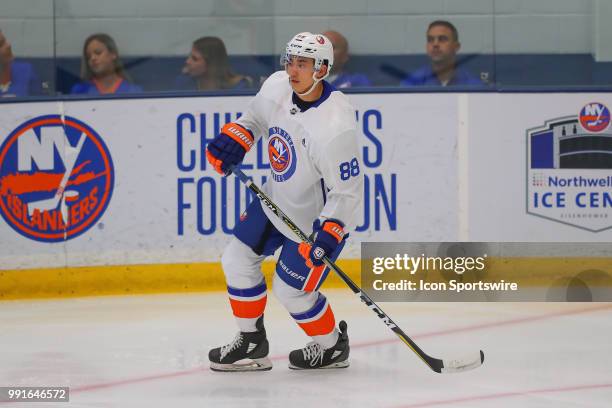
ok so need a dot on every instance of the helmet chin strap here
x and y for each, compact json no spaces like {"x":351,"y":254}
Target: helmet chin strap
{"x":316,"y":81}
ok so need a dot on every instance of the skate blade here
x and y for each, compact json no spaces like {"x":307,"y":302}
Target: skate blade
{"x":339,"y":364}
{"x":256,"y":364}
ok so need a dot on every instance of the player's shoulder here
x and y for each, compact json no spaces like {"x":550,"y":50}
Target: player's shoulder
{"x":340,"y":102}
{"x":335,"y":119}
{"x":339,"y":110}
{"x":275,"y":83}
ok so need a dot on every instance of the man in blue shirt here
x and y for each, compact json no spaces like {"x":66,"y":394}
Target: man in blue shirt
{"x":442,"y":47}
{"x":338,"y":77}
{"x":16,"y":78}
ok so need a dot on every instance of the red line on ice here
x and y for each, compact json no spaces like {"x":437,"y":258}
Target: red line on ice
{"x":506,"y":395}
{"x":118,"y":383}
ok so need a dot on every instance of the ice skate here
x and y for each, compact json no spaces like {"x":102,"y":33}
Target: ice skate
{"x":247,"y":352}
{"x":314,"y":356}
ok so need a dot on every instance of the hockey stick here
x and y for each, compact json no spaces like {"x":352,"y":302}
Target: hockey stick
{"x":437,"y":365}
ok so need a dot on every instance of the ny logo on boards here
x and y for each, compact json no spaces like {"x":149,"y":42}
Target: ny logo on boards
{"x":568,"y":169}
{"x":56,"y":178}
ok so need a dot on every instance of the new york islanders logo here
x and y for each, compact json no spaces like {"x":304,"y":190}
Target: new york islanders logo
{"x":56,"y":178}
{"x":595,"y":117}
{"x":281,"y":153}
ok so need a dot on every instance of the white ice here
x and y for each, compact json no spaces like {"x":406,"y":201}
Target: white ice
{"x":151,"y":351}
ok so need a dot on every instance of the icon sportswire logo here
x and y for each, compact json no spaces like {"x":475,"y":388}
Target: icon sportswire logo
{"x":56,"y":178}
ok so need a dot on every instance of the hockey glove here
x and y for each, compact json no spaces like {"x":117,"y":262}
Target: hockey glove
{"x":328,"y":237}
{"x":229,"y":147}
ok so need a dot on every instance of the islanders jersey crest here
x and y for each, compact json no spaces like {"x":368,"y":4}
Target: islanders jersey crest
{"x":56,"y":178}
{"x":281,"y":152}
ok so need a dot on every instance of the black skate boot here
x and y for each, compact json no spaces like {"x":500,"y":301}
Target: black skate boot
{"x":315,"y":356}
{"x":247,"y":352}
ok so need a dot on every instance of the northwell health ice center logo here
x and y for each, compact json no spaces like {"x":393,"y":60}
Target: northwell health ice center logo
{"x":56,"y":178}
{"x":569,"y":163}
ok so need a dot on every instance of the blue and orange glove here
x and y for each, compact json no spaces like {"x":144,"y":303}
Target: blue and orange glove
{"x":328,"y":236}
{"x":229,"y":147}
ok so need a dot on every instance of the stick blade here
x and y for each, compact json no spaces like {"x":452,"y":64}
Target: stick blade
{"x":468,"y":363}
{"x":43,"y":205}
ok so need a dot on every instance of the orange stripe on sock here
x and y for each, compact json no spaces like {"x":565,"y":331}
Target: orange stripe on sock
{"x":323,"y":325}
{"x":247,"y":309}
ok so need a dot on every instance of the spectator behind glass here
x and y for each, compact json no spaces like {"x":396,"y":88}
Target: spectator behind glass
{"x":442,"y":48}
{"x":102,"y":71}
{"x":207,"y":68}
{"x":16,"y":78}
{"x":338,"y":77}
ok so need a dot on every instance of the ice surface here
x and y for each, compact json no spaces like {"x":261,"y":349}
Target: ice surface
{"x":151,"y":351}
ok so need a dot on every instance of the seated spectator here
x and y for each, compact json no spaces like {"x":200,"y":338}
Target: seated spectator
{"x":442,"y":48}
{"x":16,"y":78}
{"x":207,"y":68}
{"x":102,"y":71}
{"x":338,"y":77}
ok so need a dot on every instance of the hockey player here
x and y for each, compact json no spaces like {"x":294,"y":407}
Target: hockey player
{"x":310,"y":131}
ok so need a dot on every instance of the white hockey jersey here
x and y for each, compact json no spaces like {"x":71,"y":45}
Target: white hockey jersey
{"x":314,"y":155}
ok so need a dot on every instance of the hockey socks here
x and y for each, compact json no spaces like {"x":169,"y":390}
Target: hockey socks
{"x":248,"y":305}
{"x":318,"y":320}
